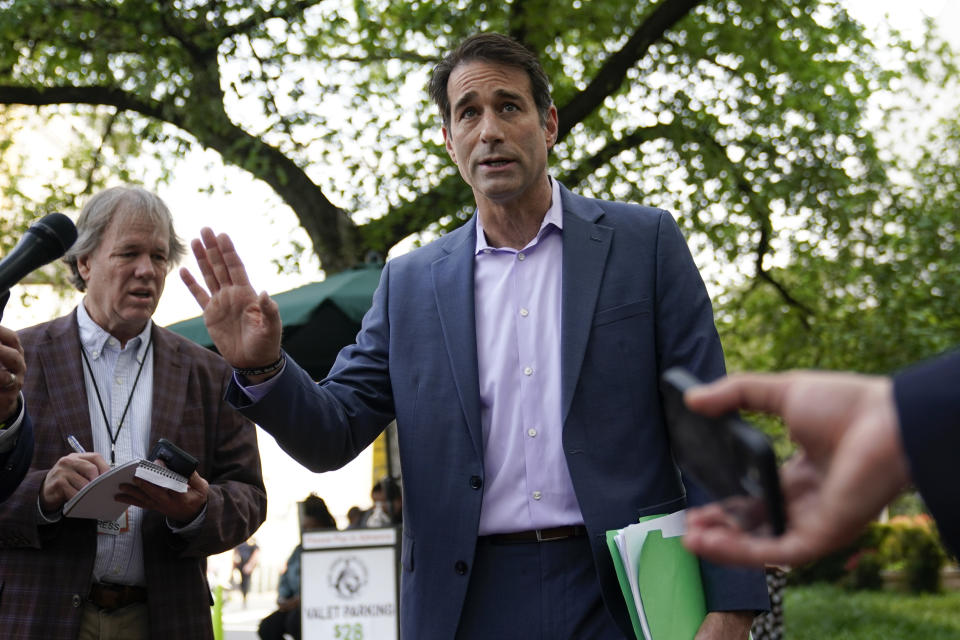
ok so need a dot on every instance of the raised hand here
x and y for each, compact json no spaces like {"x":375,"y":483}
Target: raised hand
{"x":244,"y":326}
{"x":852,"y":463}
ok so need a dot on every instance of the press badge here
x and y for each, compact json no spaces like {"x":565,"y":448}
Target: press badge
{"x":114,"y":527}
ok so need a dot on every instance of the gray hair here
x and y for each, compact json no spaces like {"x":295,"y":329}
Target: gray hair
{"x":128,"y":202}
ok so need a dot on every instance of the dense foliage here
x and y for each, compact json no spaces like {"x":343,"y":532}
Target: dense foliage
{"x":750,"y":119}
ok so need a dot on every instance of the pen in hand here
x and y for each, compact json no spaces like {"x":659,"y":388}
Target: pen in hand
{"x":75,"y":444}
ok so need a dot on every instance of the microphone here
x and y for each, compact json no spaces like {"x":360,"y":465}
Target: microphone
{"x":46,"y":240}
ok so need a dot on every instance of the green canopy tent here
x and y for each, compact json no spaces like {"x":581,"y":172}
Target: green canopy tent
{"x":319,"y":318}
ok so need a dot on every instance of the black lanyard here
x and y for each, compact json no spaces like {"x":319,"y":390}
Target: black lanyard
{"x":106,"y":421}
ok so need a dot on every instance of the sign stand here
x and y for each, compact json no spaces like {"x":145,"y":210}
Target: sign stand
{"x":350,"y":584}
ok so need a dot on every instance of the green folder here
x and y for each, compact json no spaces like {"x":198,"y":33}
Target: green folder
{"x":668,"y":579}
{"x":624,"y":582}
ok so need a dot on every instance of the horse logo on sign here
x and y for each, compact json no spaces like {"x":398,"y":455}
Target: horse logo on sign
{"x":348,"y":575}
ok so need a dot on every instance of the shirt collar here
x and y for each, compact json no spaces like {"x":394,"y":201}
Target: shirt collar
{"x":93,"y":337}
{"x":554,"y":217}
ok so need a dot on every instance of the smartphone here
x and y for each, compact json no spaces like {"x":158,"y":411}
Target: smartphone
{"x":174,"y":457}
{"x":730,"y":459}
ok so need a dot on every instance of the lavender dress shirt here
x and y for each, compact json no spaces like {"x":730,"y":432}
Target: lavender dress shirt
{"x":527,"y":483}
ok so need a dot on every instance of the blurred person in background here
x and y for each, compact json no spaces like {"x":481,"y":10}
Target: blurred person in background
{"x":387,"y":509}
{"x":354,"y":516}
{"x":286,"y":619}
{"x":246,"y":556}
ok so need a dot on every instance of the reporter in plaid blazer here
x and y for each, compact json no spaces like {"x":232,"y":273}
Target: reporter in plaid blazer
{"x":76,"y":578}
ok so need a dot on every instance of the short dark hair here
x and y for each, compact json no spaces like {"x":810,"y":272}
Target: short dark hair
{"x":389,"y":487}
{"x":491,"y":47}
{"x":314,"y":507}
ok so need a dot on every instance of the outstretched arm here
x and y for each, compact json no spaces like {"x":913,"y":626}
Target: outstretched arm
{"x":244,"y":326}
{"x":851,"y":465}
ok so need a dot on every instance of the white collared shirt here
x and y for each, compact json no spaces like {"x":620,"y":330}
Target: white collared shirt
{"x":119,"y":557}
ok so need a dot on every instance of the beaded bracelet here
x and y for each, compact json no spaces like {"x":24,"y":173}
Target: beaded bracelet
{"x":259,"y":371}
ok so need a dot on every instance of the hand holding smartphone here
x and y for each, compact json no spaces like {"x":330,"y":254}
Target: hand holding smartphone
{"x":174,"y":457}
{"x":726,"y":456}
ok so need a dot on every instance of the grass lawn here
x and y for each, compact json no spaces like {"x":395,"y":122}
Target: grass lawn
{"x":824,"y":612}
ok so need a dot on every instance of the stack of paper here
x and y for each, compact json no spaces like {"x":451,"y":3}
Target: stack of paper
{"x":660,"y":579}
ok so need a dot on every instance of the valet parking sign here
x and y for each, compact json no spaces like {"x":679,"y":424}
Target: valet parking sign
{"x":349,"y":585}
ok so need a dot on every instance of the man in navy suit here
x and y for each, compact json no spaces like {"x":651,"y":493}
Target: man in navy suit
{"x":16,"y":431}
{"x":520,"y":355}
{"x":864,"y":439}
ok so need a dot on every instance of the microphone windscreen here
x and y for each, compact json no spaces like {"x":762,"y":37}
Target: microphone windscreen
{"x":57,"y":227}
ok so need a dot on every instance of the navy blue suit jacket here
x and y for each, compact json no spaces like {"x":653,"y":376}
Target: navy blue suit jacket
{"x":928,"y":404}
{"x":14,"y":463}
{"x":633,"y":305}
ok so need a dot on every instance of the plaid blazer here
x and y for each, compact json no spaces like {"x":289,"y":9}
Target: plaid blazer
{"x":46,"y":571}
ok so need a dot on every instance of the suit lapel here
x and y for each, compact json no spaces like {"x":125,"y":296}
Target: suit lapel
{"x":169,"y":387}
{"x":585,"y":248}
{"x":453,"y":287}
{"x":61,"y":366}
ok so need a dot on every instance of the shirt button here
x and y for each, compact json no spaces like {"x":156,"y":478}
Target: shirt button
{"x":524,"y":313}
{"x":537,"y":495}
{"x":532,"y":433}
{"x":528,"y":371}
{"x":521,"y":257}
{"x":96,"y":354}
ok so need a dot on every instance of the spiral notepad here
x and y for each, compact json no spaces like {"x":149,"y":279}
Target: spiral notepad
{"x":161,"y":476}
{"x":96,"y":499}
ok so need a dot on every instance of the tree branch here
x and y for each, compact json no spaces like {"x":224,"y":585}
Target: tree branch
{"x":789,"y":299}
{"x":382,"y":55}
{"x":762,"y":217}
{"x":675,"y":132}
{"x":704,"y":56}
{"x":284,"y":123}
{"x":177,"y":29}
{"x":614,"y":70}
{"x":98,"y":154}
{"x":416,"y":215}
{"x":615,"y":147}
{"x":261,"y":15}
{"x":91,"y":95}
{"x":331,"y":230}
{"x":518,"y":28}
